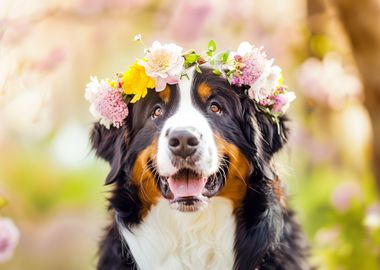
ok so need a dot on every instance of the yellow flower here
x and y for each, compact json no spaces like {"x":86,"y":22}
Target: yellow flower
{"x":136,"y":82}
{"x":113,"y":84}
{"x":280,"y":79}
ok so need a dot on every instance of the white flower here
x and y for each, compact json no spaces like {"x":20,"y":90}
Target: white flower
{"x":137,"y":37}
{"x":164,"y":63}
{"x":244,"y":48}
{"x":266,"y":83}
{"x":9,"y":238}
{"x":92,"y":91}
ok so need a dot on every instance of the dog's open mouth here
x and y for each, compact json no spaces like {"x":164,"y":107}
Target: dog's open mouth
{"x":186,"y":183}
{"x":188,"y":190}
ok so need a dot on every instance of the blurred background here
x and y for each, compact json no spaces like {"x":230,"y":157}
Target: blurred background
{"x":52,"y":197}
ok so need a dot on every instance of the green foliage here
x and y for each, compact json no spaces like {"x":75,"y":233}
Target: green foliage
{"x":211,"y":48}
{"x":191,"y":58}
{"x":198,"y":69}
{"x":339,"y":239}
{"x":217,"y":72}
{"x":223,"y":57}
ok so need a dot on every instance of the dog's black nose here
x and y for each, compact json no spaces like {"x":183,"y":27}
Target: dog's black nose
{"x":183,"y":142}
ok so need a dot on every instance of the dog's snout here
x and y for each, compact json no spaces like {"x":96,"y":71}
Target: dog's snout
{"x":183,"y":142}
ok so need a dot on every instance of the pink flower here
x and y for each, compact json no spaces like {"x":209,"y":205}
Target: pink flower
{"x":9,"y":238}
{"x":111,"y":106}
{"x":282,"y":102}
{"x":327,"y":236}
{"x":329,"y":82}
{"x":250,"y":62}
{"x":107,"y":103}
{"x":344,"y":194}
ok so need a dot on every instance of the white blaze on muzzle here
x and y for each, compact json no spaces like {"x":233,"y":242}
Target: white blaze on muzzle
{"x":187,"y":119}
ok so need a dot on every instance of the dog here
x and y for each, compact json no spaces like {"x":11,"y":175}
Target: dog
{"x":194,"y":185}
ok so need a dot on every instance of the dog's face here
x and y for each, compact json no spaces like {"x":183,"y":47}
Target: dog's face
{"x":192,"y":141}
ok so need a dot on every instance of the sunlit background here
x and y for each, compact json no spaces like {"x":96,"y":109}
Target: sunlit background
{"x":52,"y":197}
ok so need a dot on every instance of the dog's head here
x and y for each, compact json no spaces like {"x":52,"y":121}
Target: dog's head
{"x":195,"y":140}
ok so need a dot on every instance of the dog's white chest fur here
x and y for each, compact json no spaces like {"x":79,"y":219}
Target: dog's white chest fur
{"x":169,"y":240}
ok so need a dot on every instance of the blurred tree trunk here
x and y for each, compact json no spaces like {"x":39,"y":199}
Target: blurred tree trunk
{"x":361,"y":21}
{"x":316,"y":13}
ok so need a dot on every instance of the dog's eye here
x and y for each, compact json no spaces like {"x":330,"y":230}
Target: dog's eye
{"x":215,"y":108}
{"x":157,"y":112}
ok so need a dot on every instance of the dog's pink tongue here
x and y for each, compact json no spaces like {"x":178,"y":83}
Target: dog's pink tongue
{"x":186,"y":188}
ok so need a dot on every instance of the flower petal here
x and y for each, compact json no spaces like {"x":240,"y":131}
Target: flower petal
{"x":160,"y":84}
{"x":244,"y":48}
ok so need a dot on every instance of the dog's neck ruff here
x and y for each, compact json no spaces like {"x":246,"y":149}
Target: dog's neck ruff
{"x":169,"y":239}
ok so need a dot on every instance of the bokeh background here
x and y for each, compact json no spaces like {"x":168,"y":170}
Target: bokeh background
{"x":51,"y":185}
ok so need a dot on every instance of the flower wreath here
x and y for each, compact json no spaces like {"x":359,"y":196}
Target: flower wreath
{"x":167,"y":64}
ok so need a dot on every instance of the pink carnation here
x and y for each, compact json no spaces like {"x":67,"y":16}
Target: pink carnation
{"x":9,"y":238}
{"x":107,"y":103}
{"x":250,"y":67}
{"x":111,"y":105}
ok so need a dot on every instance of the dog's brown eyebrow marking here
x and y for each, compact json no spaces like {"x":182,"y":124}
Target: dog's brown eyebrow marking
{"x":165,"y":94}
{"x":204,"y":91}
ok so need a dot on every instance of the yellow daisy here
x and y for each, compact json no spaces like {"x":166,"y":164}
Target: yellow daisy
{"x":136,"y":82}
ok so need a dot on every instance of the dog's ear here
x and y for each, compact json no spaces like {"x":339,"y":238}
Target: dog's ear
{"x":263,"y":133}
{"x":274,"y":134}
{"x":110,"y":144}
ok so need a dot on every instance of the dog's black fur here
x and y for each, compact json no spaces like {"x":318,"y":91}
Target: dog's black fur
{"x":267,"y":235}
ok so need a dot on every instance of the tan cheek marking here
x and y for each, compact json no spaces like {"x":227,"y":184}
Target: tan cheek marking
{"x":236,"y":185}
{"x":144,"y":179}
{"x":165,"y":94}
{"x":204,"y":91}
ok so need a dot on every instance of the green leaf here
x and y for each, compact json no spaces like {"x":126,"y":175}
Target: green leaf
{"x":191,"y":58}
{"x":211,"y":46}
{"x":198,"y":69}
{"x":217,"y":72}
{"x":230,"y":72}
{"x":224,"y":57}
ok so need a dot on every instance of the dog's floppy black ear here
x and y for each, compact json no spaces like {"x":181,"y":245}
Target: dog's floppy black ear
{"x":274,"y":134}
{"x":109,"y":144}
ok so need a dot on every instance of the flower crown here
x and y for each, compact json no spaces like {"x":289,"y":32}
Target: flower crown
{"x":165,"y":64}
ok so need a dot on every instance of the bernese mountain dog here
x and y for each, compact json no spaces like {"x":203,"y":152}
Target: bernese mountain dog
{"x":194,"y":185}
